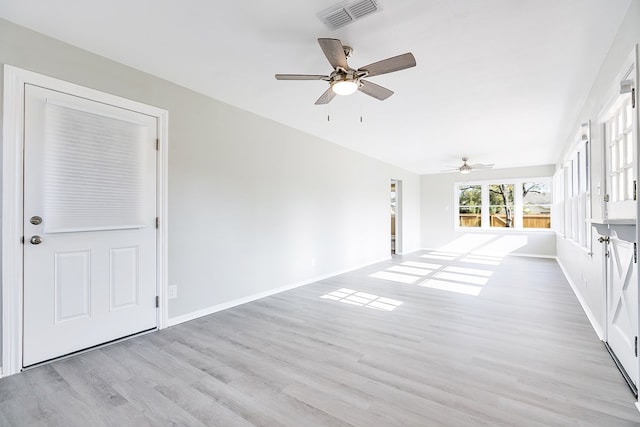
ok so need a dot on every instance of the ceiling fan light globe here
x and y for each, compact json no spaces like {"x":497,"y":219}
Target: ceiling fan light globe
{"x":344,"y":87}
{"x":465,"y":170}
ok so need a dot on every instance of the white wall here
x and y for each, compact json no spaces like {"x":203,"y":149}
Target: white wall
{"x":583,"y":269}
{"x":253,"y":205}
{"x":438,"y":210}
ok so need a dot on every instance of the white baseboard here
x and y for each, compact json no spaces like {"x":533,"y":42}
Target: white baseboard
{"x":534,"y":256}
{"x":592,"y":318}
{"x":239,"y":301}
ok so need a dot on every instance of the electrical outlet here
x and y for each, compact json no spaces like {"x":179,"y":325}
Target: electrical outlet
{"x":173,"y":291}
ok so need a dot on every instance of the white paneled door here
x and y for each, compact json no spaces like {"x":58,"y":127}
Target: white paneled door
{"x":89,"y":224}
{"x":622,"y":305}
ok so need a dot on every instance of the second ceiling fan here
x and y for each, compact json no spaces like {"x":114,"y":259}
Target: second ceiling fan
{"x":345,"y":80}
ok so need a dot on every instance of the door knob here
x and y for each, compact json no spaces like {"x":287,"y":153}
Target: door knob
{"x":35,"y":240}
{"x":603,"y":239}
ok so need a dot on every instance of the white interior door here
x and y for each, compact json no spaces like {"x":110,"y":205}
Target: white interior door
{"x":622,"y":305}
{"x":89,"y":224}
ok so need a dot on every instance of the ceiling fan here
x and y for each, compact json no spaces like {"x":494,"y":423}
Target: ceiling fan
{"x":345,"y":80}
{"x":467,"y":168}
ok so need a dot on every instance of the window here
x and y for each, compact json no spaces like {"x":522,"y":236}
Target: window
{"x":469,"y":205}
{"x":557,"y":213}
{"x":619,"y":137}
{"x":571,"y":198}
{"x":515,"y":204}
{"x":501,"y":205}
{"x":619,"y":124}
{"x":536,"y":204}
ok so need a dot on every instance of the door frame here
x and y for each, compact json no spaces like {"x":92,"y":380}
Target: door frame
{"x":12,"y":200}
{"x":398,"y":245}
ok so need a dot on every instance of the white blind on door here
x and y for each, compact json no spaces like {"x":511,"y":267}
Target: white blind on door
{"x":94,"y":171}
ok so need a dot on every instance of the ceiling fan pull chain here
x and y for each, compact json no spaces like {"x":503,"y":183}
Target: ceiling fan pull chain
{"x":361,"y":113}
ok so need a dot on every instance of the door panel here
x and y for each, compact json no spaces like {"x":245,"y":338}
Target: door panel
{"x":622,"y":305}
{"x":123,"y":277}
{"x":72,"y":291}
{"x":90,"y":175}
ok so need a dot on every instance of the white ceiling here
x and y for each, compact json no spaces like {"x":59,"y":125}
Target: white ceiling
{"x":497,"y":80}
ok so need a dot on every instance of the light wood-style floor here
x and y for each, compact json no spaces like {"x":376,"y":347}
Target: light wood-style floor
{"x":422,"y":340}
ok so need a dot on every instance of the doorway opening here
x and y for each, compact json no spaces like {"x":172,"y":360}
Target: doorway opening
{"x":396,"y":216}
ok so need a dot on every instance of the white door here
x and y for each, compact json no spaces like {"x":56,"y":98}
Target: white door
{"x":89,"y":224}
{"x":622,"y":305}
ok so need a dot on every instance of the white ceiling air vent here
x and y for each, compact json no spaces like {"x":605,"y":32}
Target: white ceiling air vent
{"x":345,"y":13}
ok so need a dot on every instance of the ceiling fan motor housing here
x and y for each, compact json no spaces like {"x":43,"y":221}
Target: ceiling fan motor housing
{"x":344,"y":82}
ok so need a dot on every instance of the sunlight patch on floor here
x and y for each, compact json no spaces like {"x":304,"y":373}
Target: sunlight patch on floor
{"x":456,"y":287}
{"x":442,"y":275}
{"x":470,"y":271}
{"x":462,"y":278}
{"x":410,"y":270}
{"x":427,"y":265}
{"x":482,"y":259}
{"x":362,"y":299}
{"x":435,"y":255}
{"x":395,"y":277}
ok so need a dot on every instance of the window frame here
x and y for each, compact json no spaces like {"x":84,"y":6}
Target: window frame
{"x":518,"y":204}
{"x":572,"y":195}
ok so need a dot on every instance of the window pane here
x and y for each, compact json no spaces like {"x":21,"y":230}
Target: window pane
{"x":620,"y":124}
{"x":501,"y":208}
{"x":536,"y":209}
{"x":469,"y":202}
{"x":620,"y":148}
{"x":629,"y":150}
{"x":614,"y":158}
{"x":629,"y":184}
{"x":584,"y":176}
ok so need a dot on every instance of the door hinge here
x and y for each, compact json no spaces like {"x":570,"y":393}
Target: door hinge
{"x":157,"y":222}
{"x":157,"y":301}
{"x":157,"y":144}
{"x":633,"y":98}
{"x":635,"y":190}
{"x":636,"y":346}
{"x":635,"y":253}
{"x":606,"y":198}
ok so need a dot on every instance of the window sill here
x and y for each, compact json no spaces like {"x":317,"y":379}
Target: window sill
{"x":612,"y":221}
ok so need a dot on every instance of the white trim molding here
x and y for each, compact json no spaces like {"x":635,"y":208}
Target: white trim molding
{"x":15,"y":80}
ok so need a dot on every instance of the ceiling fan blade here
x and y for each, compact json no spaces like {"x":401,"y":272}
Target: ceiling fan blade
{"x":451,"y":170}
{"x":301,"y":77}
{"x":481,"y":166}
{"x":334,"y":52}
{"x":374,"y":90}
{"x":326,"y":97}
{"x":389,"y":65}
